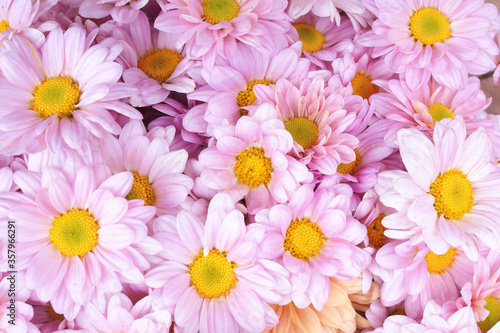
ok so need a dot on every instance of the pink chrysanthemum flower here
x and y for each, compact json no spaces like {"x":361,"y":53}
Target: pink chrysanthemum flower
{"x":60,"y":96}
{"x":212,"y":28}
{"x":210,"y":274}
{"x":315,"y":117}
{"x":12,"y":309}
{"x":354,"y":9}
{"x":434,"y":320}
{"x":158,"y":172}
{"x":422,"y":108}
{"x":123,"y":11}
{"x":321,"y":40}
{"x":315,"y":238}
{"x":250,"y":160}
{"x":152,"y":62}
{"x":78,"y":236}
{"x":248,"y":68}
{"x":418,"y":275}
{"x":447,"y":40}
{"x":482,"y":294}
{"x":449,"y":195}
{"x":115,"y":313}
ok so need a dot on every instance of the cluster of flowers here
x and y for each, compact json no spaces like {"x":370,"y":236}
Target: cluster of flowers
{"x":249,"y":166}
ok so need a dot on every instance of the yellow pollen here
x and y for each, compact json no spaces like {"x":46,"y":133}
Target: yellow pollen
{"x":362,"y":85}
{"x":213,"y":276}
{"x":375,"y":232}
{"x":215,"y":11}
{"x":74,"y":233}
{"x":452,"y":192}
{"x":349,"y":168}
{"x":436,"y":264}
{"x":304,"y":131}
{"x":54,"y":315}
{"x":246,"y":96}
{"x":398,"y":312}
{"x":4,"y":26}
{"x":55,"y":95}
{"x":253,"y":168}
{"x":304,"y":239}
{"x":159,"y":64}
{"x":429,"y":26}
{"x":494,"y":308}
{"x":312,"y":40}
{"x":141,"y":189}
{"x":438,"y":112}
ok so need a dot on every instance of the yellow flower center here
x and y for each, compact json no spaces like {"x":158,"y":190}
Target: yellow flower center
{"x":429,"y":26}
{"x":215,"y":11}
{"x":213,"y":276}
{"x":376,"y":232}
{"x":436,"y":264}
{"x":54,"y":315}
{"x":362,"y":85}
{"x":159,"y":64}
{"x":304,"y":131}
{"x":304,"y":239}
{"x":246,"y":96}
{"x":312,"y":40}
{"x":452,"y":192}
{"x":438,"y":112}
{"x":349,"y":168}
{"x":253,"y":168}
{"x":141,"y":189}
{"x":74,"y":233}
{"x":55,"y":95}
{"x":398,"y":312}
{"x":494,"y":308}
{"x":4,"y":26}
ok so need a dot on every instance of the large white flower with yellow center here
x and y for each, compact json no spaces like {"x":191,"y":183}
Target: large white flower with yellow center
{"x":210,"y":275}
{"x":450,"y":194}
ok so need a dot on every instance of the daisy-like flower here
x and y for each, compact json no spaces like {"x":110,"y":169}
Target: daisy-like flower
{"x":422,"y":108}
{"x":60,"y":96}
{"x":250,"y":160}
{"x":337,"y":316}
{"x":210,"y":274}
{"x":211,"y":28}
{"x":77,"y":236}
{"x":247,"y":69}
{"x":439,"y":38}
{"x":316,"y":119}
{"x":452,"y":199}
{"x":123,"y":11}
{"x":158,"y":172}
{"x":315,"y":237}
{"x":354,"y":9}
{"x":418,"y":275}
{"x":152,"y":62}
{"x":321,"y":40}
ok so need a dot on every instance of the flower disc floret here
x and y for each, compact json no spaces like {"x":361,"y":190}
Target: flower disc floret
{"x":55,"y":95}
{"x":4,"y":25}
{"x":436,"y":264}
{"x":141,"y":189}
{"x":439,"y":112}
{"x":312,"y":40}
{"x":246,"y":96}
{"x":212,"y":275}
{"x":428,"y":25}
{"x":375,"y":231}
{"x":216,"y":11}
{"x":453,"y":194}
{"x":253,"y":168}
{"x":493,"y":307}
{"x":362,"y":85}
{"x":159,"y":64}
{"x":349,"y":168}
{"x":74,"y":233}
{"x":304,"y":131}
{"x":304,"y":239}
